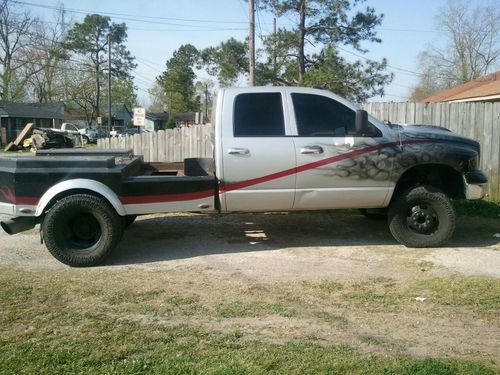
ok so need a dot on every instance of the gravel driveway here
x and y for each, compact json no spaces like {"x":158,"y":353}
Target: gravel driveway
{"x":301,"y":245}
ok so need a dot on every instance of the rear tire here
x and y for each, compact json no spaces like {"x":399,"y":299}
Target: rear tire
{"x":81,"y":230}
{"x":421,"y":217}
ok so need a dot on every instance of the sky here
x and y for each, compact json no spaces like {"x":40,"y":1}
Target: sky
{"x":156,"y":28}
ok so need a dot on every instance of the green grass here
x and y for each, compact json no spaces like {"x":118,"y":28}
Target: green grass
{"x":86,"y":321}
{"x":242,"y":309}
{"x":479,"y":294}
{"x":101,"y":345}
{"x":335,"y":320}
{"x":477,"y":208}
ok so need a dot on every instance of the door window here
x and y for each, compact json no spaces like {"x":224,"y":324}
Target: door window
{"x":319,"y":116}
{"x":258,"y":115}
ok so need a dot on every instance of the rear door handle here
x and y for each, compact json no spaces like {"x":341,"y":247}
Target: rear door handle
{"x":311,"y":150}
{"x":238,"y":151}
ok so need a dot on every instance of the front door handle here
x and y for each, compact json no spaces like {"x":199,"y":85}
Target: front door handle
{"x":311,"y":150}
{"x":238,"y":151}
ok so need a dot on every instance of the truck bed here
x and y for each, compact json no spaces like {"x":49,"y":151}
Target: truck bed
{"x":138,"y":185}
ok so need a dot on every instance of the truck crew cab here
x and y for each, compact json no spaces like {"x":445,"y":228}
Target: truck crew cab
{"x":275,"y":149}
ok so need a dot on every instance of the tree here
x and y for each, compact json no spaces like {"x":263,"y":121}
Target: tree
{"x":90,"y":40}
{"x":79,"y":91}
{"x":123,"y":91}
{"x":322,"y":24}
{"x":227,"y":61}
{"x":326,"y":23}
{"x":177,"y":81}
{"x":15,"y":41}
{"x":471,"y":50}
{"x":355,"y":81}
{"x":159,"y":98}
{"x":45,"y":71}
{"x":205,"y":90}
{"x":170,"y":123}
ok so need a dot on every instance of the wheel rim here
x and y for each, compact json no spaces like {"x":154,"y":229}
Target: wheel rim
{"x":82,"y":231}
{"x":421,"y":218}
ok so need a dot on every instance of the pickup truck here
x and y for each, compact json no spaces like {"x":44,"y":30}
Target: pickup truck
{"x":274,"y":149}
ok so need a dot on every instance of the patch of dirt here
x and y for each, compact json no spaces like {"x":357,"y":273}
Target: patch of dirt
{"x":262,"y":250}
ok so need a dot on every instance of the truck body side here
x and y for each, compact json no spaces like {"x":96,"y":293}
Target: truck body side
{"x":275,"y":149}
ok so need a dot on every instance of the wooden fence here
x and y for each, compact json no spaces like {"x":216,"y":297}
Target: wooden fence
{"x":173,"y":145}
{"x":480,"y":121}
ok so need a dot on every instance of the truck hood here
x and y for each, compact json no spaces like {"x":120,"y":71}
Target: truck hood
{"x":433,"y":132}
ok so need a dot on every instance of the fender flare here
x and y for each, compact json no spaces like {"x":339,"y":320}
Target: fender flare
{"x":80,"y":184}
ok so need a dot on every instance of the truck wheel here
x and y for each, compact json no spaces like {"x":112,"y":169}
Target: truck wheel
{"x":421,"y":217}
{"x":81,"y":230}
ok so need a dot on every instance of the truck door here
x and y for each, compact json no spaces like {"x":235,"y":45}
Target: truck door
{"x":257,"y":156}
{"x":336,"y":167}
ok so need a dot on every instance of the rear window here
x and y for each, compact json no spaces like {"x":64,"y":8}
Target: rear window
{"x":258,"y":115}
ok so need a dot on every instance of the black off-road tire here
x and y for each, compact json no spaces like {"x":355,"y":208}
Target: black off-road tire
{"x":421,"y":217}
{"x":81,"y":230}
{"x":128,"y":220}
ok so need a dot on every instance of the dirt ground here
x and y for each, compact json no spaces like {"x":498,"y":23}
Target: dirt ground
{"x":238,"y":252}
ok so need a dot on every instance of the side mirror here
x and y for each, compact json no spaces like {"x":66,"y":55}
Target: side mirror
{"x":361,"y":122}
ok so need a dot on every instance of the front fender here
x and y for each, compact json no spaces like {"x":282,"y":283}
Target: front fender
{"x":80,"y":184}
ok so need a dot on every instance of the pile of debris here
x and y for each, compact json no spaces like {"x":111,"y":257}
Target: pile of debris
{"x":39,"y":139}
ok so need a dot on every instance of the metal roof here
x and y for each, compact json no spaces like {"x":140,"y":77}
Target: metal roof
{"x":32,"y":110}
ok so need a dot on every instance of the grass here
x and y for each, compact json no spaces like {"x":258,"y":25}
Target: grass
{"x":97,"y":344}
{"x":479,"y":294}
{"x":125,"y":348}
{"x":477,"y":208}
{"x":242,"y":309}
{"x":90,"y":321}
{"x":335,"y":320}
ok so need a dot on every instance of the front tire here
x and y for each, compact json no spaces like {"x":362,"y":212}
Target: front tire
{"x":421,"y":217}
{"x":81,"y":230}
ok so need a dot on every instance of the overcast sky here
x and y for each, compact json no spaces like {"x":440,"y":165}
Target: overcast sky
{"x":156,"y":28}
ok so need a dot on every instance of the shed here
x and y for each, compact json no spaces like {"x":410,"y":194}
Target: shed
{"x":15,"y":116}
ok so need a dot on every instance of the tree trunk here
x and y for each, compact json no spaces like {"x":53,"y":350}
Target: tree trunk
{"x":6,"y":84}
{"x":97,"y":88}
{"x":302,"y":37}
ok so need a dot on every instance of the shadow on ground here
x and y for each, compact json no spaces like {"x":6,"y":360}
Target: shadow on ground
{"x":170,"y":237}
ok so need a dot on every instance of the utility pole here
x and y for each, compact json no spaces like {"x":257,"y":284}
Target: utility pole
{"x":206,"y":102}
{"x":109,"y":83}
{"x":251,"y":44}
{"x":274,"y":49}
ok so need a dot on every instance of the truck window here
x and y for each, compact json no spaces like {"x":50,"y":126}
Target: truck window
{"x":319,"y":116}
{"x":258,"y":115}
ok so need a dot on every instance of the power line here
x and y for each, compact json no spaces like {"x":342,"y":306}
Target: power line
{"x":128,"y":16}
{"x":145,"y":63}
{"x":390,"y":66}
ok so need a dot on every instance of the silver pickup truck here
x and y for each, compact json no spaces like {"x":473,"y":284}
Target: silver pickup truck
{"x":275,"y":149}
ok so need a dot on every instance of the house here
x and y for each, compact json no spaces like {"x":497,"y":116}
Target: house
{"x":184,"y":119}
{"x":155,"y":121}
{"x":158,"y":120}
{"x":15,"y":116}
{"x":121,"y":115}
{"x":483,"y":89}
